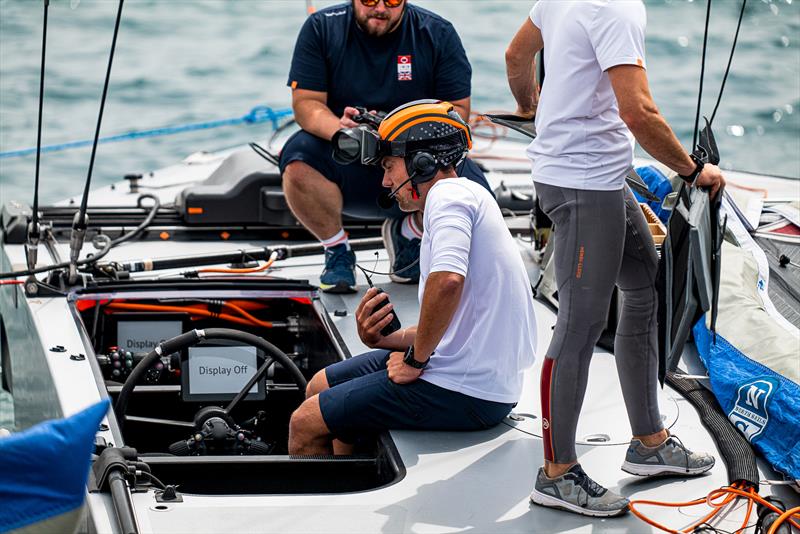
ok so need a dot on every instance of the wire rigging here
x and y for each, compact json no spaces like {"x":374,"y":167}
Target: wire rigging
{"x":730,"y":60}
{"x":35,"y":214}
{"x":695,"y":132}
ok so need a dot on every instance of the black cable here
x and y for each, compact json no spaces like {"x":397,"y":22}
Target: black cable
{"x":730,"y":60}
{"x":370,"y":271}
{"x":144,"y":224}
{"x":279,"y":130}
{"x":264,"y":153}
{"x":87,"y":185}
{"x":160,"y":485}
{"x":35,"y":214}
{"x":695,"y":132}
{"x":111,"y":244}
{"x":62,"y":265}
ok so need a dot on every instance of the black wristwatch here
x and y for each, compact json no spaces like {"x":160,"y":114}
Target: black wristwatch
{"x":409,"y":359}
{"x":690,"y":178}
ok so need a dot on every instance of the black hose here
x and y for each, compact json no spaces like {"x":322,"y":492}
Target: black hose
{"x":122,"y":503}
{"x":145,"y":223}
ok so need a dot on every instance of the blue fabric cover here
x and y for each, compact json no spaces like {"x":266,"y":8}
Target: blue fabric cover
{"x":659,"y":185}
{"x":43,"y":470}
{"x":762,"y":404}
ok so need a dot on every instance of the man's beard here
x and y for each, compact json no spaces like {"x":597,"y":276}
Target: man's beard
{"x":363,"y":23}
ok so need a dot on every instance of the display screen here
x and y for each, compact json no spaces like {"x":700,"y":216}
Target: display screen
{"x":219,"y":372}
{"x":143,"y":336}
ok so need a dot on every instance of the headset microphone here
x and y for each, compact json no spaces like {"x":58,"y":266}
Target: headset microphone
{"x":386,"y":200}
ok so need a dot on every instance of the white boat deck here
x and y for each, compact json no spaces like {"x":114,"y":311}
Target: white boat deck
{"x":454,"y":482}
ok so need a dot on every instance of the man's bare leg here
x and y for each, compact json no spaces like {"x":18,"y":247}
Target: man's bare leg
{"x":318,"y":384}
{"x":308,"y":433}
{"x":313,"y":199}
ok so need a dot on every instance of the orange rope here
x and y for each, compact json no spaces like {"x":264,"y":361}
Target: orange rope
{"x":785,"y":516}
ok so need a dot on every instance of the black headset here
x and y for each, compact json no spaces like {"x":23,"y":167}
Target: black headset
{"x":422,"y":166}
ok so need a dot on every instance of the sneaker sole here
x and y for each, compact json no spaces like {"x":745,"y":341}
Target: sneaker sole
{"x":339,"y":288}
{"x":553,"y":502}
{"x":656,"y":470}
{"x":387,"y":241}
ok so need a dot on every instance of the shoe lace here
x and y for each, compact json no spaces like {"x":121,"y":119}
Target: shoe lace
{"x":338,"y":259}
{"x":683,"y":449}
{"x":590,"y":487}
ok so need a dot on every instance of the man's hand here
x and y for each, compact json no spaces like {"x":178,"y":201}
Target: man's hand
{"x":346,"y":121}
{"x":371,"y":322}
{"x":711,"y":178}
{"x":525,"y":113}
{"x":399,"y":372}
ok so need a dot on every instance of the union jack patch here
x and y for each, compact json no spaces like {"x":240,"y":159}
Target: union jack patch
{"x":404,"y":68}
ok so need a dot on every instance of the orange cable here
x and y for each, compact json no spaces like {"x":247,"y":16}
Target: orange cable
{"x":712,"y":513}
{"x":785,"y":516}
{"x":749,"y":511}
{"x":729,"y":493}
{"x":264,"y":267}
{"x":195,"y":311}
{"x":265,"y":324}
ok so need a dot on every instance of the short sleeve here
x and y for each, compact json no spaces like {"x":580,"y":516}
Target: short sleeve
{"x":309,"y":70}
{"x":449,"y":222}
{"x":535,"y":15}
{"x":617,"y":34}
{"x":453,"y":72}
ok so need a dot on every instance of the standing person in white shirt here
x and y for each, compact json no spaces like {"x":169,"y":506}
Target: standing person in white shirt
{"x":461,"y":367}
{"x":594,"y":96}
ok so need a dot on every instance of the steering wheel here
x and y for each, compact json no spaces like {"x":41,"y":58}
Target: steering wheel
{"x":214,"y":428}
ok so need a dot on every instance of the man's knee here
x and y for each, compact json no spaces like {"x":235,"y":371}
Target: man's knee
{"x":307,"y":422}
{"x":317,"y":384}
{"x":300,"y":175}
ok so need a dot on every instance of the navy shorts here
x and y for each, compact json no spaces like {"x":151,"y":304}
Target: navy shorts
{"x":363,"y":401}
{"x":360,"y":184}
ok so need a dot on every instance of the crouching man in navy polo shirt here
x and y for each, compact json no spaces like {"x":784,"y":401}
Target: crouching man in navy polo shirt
{"x":461,"y":367}
{"x":377,"y":54}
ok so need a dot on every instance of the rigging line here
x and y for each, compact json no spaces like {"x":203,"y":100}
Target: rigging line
{"x":85,"y":199}
{"x":35,"y":214}
{"x":730,"y":60}
{"x":702,"y":75}
{"x":256,"y":115}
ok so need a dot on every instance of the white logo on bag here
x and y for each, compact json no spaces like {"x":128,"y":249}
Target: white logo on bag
{"x":749,"y":414}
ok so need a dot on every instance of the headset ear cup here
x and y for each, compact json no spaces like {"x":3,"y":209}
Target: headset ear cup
{"x":424,"y":165}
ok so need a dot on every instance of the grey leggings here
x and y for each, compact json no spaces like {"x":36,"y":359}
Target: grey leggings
{"x":601,"y":240}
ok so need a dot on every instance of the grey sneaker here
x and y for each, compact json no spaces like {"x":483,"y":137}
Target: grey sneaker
{"x":669,"y":458}
{"x":575,"y":492}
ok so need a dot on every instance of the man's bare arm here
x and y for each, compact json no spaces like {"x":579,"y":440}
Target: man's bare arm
{"x":640,"y":113}
{"x":462,"y":106}
{"x":521,"y":67}
{"x":312,"y":113}
{"x":439,"y":303}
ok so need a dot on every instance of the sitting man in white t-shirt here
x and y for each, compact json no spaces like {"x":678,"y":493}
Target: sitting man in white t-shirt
{"x":461,"y":367}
